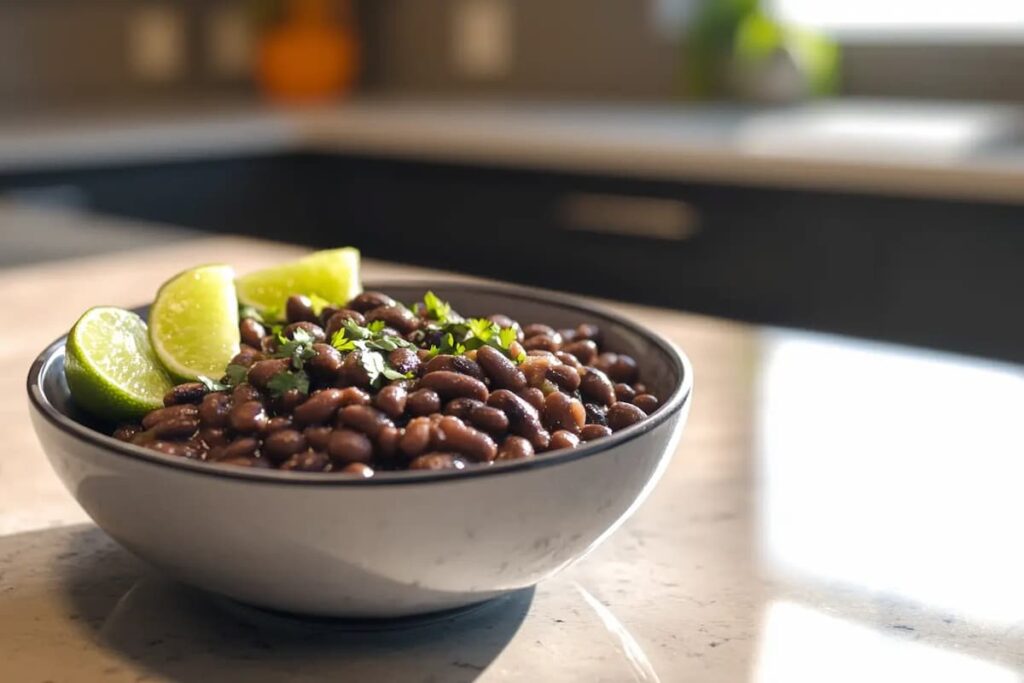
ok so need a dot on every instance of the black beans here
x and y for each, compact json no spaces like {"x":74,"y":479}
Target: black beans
{"x":248,"y":418}
{"x":593,"y":431}
{"x":450,"y":385}
{"x":348,"y":446}
{"x":299,"y":308}
{"x":595,"y":386}
{"x":544,"y":390}
{"x":502,"y":372}
{"x":251,"y":332}
{"x":622,"y":415}
{"x":281,"y":445}
{"x":391,"y":400}
{"x":319,"y":408}
{"x":193,"y":392}
{"x":646,"y":402}
{"x":423,"y":402}
{"x":370,"y":300}
{"x":399,"y":317}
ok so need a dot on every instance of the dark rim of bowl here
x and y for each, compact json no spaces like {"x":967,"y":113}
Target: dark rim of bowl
{"x":672,"y":405}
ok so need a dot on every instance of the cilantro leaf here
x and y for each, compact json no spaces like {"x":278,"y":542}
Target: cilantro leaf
{"x":506,"y":336}
{"x":236,"y":374}
{"x":376,"y":327}
{"x":285,"y":381}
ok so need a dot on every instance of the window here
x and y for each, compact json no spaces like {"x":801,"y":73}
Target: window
{"x":953,"y":19}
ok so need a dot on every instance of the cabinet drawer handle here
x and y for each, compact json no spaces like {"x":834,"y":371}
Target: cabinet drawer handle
{"x":653,"y":217}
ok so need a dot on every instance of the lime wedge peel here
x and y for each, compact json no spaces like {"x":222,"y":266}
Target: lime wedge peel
{"x":193,"y":324}
{"x":110,"y":365}
{"x":332,"y":275}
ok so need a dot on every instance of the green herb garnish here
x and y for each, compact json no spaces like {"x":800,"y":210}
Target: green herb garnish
{"x":284,"y":382}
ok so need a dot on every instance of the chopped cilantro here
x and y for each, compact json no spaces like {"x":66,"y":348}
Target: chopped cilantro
{"x":285,"y":381}
{"x":236,"y":374}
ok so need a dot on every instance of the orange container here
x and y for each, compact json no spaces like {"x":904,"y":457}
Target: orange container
{"x":311,"y":56}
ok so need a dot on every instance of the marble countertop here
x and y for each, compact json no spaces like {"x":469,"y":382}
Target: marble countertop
{"x":947,"y":150}
{"x":837,"y":511}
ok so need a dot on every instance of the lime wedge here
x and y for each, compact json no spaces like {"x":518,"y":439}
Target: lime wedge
{"x":331,"y":275}
{"x":193,"y":324}
{"x":110,"y":366}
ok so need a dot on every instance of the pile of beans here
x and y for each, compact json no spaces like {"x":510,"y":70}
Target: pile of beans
{"x":476,"y":408}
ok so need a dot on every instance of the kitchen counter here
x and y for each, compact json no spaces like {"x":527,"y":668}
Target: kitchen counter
{"x":837,"y":511}
{"x":915,"y":149}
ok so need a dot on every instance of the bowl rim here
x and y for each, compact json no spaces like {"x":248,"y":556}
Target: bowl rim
{"x":679,"y":397}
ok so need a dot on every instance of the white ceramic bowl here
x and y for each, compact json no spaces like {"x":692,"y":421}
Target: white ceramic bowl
{"x":400,"y":544}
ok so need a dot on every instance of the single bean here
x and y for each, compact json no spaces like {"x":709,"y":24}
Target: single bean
{"x":584,"y":350}
{"x":263,"y":371}
{"x":397,"y":316}
{"x":318,"y":437}
{"x":538,"y":329}
{"x":490,"y":420}
{"x":416,"y":439}
{"x":192,"y":392}
{"x":562,"y":412}
{"x":270,"y":344}
{"x":391,"y":399}
{"x":565,"y":377}
{"x":461,"y":407}
{"x":325,"y":314}
{"x":569,"y":359}
{"x":516,"y":350}
{"x":347,"y":446}
{"x":288,"y":401}
{"x":624,"y":369}
{"x":358,"y":469}
{"x":248,"y":418}
{"x":214,"y":437}
{"x":622,"y":415}
{"x":251,"y":332}
{"x":247,"y":447}
{"x":423,"y":402}
{"x":450,"y":385}
{"x":307,"y":461}
{"x":589,"y":331}
{"x":567,"y":334}
{"x":247,"y":356}
{"x":459,"y":364}
{"x":365,"y":419}
{"x":438,"y":461}
{"x":646,"y":402}
{"x":299,"y":308}
{"x":515,"y":448}
{"x":353,"y":374}
{"x":354,"y":396}
{"x":533,"y":396}
{"x":278,"y":423}
{"x":523,"y":418}
{"x":170,"y":413}
{"x":624,"y":392}
{"x":470,"y":442}
{"x":595,"y":386}
{"x":605,"y":361}
{"x":591,"y":432}
{"x":337,"y":321}
{"x":503,"y":372}
{"x":370,"y":300}
{"x":535,"y":368}
{"x":319,"y":408}
{"x":176,"y":428}
{"x":387,"y":441}
{"x":563,"y":439}
{"x":325,"y":363}
{"x":596,"y":414}
{"x":281,"y":445}
{"x":311,"y":329}
{"x":404,"y":360}
{"x":213,"y":411}
{"x":543,"y":342}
